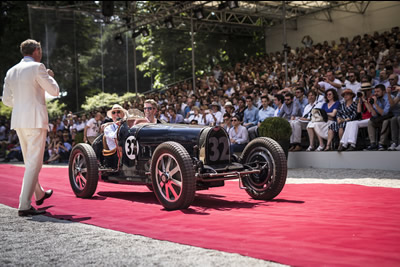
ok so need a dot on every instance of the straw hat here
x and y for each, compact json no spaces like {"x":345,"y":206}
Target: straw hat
{"x":348,"y":91}
{"x":366,"y":86}
{"x":215,"y":104}
{"x":117,"y":107}
{"x":227,"y":104}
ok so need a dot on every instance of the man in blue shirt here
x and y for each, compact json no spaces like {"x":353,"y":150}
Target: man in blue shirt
{"x":380,"y":118}
{"x":250,"y":114}
{"x":266,"y":111}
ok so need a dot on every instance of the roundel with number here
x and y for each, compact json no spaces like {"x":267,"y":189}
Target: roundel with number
{"x":131,"y":147}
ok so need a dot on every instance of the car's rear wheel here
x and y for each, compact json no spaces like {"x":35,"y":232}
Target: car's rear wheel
{"x":268,"y":156}
{"x":173,"y":176}
{"x":83,"y":171}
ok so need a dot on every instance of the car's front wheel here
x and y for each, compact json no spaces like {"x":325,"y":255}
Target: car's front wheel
{"x":266,"y":155}
{"x":173,"y":176}
{"x":83,"y":171}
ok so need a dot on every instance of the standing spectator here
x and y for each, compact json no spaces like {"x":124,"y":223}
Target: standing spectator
{"x":92,"y":128}
{"x":364,"y":108}
{"x":238,"y":135}
{"x":250,"y":114}
{"x":24,"y":90}
{"x":380,"y":118}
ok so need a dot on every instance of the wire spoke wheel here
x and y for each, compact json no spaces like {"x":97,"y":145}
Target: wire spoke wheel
{"x":83,"y":171}
{"x":266,"y":155}
{"x":173,"y":176}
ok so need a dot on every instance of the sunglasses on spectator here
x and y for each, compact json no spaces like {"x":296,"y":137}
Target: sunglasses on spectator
{"x":288,"y":99}
{"x":116,"y":112}
{"x":149,"y":108}
{"x":234,"y":120}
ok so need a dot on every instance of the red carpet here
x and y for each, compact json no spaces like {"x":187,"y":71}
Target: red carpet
{"x":307,"y":225}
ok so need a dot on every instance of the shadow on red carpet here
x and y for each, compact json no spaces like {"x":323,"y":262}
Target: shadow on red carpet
{"x":307,"y":225}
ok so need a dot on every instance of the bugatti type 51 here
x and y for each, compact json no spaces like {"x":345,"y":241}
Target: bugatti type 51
{"x":175,"y":160}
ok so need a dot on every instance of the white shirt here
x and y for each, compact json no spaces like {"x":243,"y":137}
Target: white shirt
{"x":110,"y":132}
{"x":210,"y":119}
{"x":198,"y":118}
{"x":328,"y":86}
{"x":241,"y":136}
{"x":355,"y":87}
{"x":93,"y":127}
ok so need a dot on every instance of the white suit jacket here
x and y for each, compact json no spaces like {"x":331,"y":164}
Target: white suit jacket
{"x":24,"y":90}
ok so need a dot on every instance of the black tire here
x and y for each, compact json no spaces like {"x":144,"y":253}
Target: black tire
{"x":83,"y":171}
{"x":267,"y":154}
{"x":177,"y":190}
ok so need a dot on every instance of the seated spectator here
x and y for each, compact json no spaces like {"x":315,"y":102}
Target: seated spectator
{"x":364,"y":108}
{"x":194,"y":114}
{"x":300,"y":123}
{"x":163,"y":114}
{"x":352,"y":83}
{"x":229,"y":108}
{"x":300,"y":98}
{"x":290,"y":109}
{"x":250,"y":118}
{"x":214,"y":117}
{"x":393,"y":93}
{"x":328,"y":82}
{"x":174,"y":117}
{"x":266,"y":111}
{"x":238,"y":135}
{"x":347,"y":112}
{"x":60,"y":151}
{"x":320,"y":129}
{"x":278,"y":103}
{"x":227,"y":122}
{"x":241,"y":108}
{"x":380,"y":118}
{"x":14,"y":153}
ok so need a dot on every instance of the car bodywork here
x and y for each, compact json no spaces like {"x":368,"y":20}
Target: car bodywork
{"x":176,"y":160}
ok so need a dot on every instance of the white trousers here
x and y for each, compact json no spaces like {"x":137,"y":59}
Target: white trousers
{"x":32,"y":145}
{"x":297,"y":127}
{"x":351,"y":131}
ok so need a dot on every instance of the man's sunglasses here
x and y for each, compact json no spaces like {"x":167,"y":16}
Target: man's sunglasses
{"x":149,"y":108}
{"x":116,"y":112}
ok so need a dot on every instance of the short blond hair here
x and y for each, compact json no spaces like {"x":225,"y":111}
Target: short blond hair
{"x":29,"y":46}
{"x":152,"y":102}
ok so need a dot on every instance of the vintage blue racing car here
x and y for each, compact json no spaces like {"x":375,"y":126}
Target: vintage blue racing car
{"x":175,"y":160}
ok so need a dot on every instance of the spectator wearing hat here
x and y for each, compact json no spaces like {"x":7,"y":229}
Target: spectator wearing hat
{"x":229,"y":108}
{"x":380,"y":111}
{"x":238,"y":135}
{"x":215,"y":116}
{"x":393,"y":93}
{"x":250,"y":118}
{"x":364,"y":108}
{"x":347,"y":111}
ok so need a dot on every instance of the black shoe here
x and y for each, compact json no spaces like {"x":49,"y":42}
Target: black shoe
{"x":47,"y":194}
{"x":351,"y":148}
{"x":341,"y":148}
{"x":31,"y":212}
{"x":372,"y":147}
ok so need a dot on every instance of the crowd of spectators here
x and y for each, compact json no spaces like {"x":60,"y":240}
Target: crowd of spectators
{"x":352,"y":85}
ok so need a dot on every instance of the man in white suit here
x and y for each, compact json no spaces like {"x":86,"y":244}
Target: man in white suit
{"x":24,"y":90}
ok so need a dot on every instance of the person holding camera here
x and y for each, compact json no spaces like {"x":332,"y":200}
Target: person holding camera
{"x":380,"y":118}
{"x":364,"y":108}
{"x":329,"y":82}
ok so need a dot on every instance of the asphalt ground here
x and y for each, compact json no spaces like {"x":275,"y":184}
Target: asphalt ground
{"x":46,"y":241}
